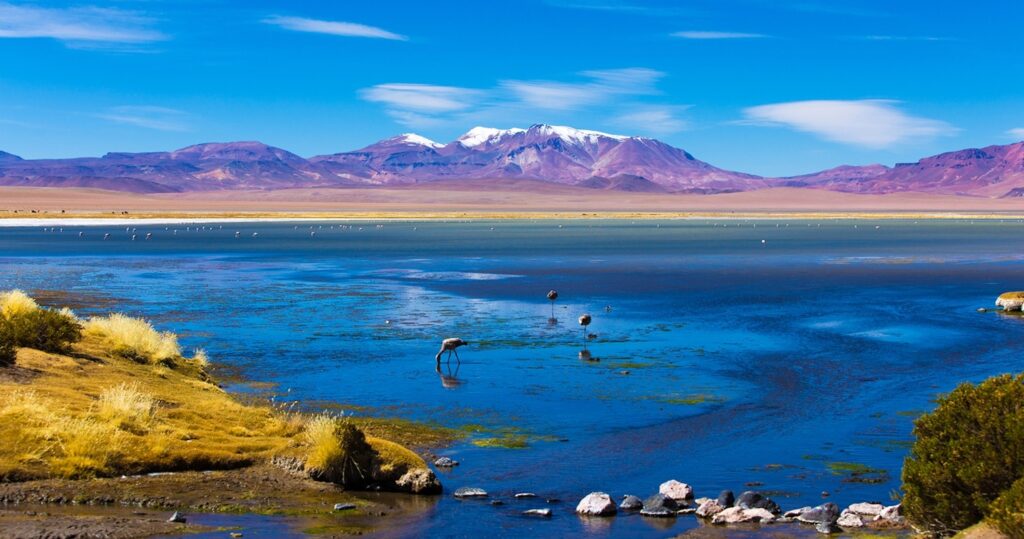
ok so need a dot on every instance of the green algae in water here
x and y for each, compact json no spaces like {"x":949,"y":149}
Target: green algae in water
{"x":691,"y":400}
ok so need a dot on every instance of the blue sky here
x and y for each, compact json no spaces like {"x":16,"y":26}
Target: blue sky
{"x":772,"y":87}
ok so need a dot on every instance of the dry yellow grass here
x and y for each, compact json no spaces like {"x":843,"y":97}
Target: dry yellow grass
{"x":14,"y":303}
{"x":126,"y":407}
{"x":134,"y":338}
{"x":124,"y":403}
{"x":322,"y":446}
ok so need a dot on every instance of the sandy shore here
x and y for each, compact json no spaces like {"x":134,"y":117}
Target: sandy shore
{"x":473,"y":200}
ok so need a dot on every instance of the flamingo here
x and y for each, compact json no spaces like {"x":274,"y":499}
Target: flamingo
{"x":585,"y":321}
{"x":450,"y":345}
{"x":552,"y":296}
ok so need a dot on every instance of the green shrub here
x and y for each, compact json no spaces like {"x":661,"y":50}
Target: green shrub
{"x":8,"y":351}
{"x":968,"y":451}
{"x":1007,"y":512}
{"x":45,"y":329}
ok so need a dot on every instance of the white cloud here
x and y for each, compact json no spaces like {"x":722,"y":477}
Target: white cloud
{"x":1017,"y":133}
{"x":422,"y":98}
{"x":334,"y":28}
{"x":903,"y":38}
{"x":653,"y":120}
{"x":77,"y":24}
{"x":871,"y":123}
{"x":149,"y":117}
{"x":616,"y":95}
{"x":602,"y":86}
{"x":705,"y":34}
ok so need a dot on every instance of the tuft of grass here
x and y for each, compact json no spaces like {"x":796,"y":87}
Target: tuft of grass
{"x":134,"y":338}
{"x":15,"y":303}
{"x":127,"y":407}
{"x":324,"y":447}
{"x":86,"y":447}
{"x":200,"y":358}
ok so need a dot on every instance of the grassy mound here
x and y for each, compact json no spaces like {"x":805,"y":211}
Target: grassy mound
{"x":121,"y":400}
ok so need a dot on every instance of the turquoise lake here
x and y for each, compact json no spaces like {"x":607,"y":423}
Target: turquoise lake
{"x":771,"y":353}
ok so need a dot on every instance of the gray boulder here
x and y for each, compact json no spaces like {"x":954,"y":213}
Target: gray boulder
{"x":826,"y":512}
{"x":866,"y":509}
{"x":419,"y":481}
{"x":659,"y":505}
{"x":726,"y":499}
{"x":445,"y":462}
{"x":755,"y":500}
{"x":631,"y":503}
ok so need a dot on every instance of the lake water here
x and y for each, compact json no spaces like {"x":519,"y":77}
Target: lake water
{"x":782,"y":354}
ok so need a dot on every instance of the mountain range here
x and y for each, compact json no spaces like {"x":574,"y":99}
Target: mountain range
{"x":556,"y":154}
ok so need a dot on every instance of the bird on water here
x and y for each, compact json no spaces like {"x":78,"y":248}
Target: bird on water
{"x":450,"y":346}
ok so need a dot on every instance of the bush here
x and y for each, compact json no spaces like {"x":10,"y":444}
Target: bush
{"x":338,"y":452}
{"x":127,"y":407}
{"x":8,"y":350}
{"x":968,"y":451}
{"x":134,"y":338}
{"x":1007,"y":512}
{"x":24,"y":323}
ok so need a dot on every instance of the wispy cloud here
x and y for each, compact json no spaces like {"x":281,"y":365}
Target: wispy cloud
{"x":903,"y":38}
{"x":621,"y":6}
{"x":601,"y":86}
{"x":334,"y":28}
{"x":707,"y":34}
{"x":149,"y":117}
{"x":616,"y":94}
{"x":871,"y":123}
{"x":426,"y":98}
{"x":82,"y":26}
{"x":1017,"y":133}
{"x":652,"y":120}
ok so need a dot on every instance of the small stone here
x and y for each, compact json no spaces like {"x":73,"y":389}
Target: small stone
{"x":825,"y":494}
{"x":545,"y":512}
{"x":754,"y":500}
{"x":631,"y":503}
{"x":982,"y":310}
{"x":470,"y":492}
{"x":553,"y":500}
{"x":526,"y":495}
{"x":497,"y":502}
{"x":687,"y":511}
{"x":709,"y":509}
{"x":660,"y":505}
{"x":849,"y":520}
{"x":344,"y":506}
{"x":177,"y":518}
{"x":679,"y":492}
{"x":445,"y":462}
{"x":866,"y":509}
{"x":235,"y":535}
{"x":596,"y":504}
{"x":826,"y":512}
{"x":827,"y":528}
{"x":419,"y":481}
{"x":726,"y":499}
{"x":737,"y":515}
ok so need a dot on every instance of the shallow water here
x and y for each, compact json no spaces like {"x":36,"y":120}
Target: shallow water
{"x":723,"y":360}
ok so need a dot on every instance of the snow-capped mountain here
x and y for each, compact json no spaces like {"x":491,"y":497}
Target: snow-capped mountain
{"x":549,"y":153}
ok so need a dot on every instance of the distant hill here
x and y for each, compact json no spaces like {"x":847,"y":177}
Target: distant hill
{"x":546,"y":153}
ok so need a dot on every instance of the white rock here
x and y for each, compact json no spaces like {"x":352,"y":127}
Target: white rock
{"x":679,"y":492}
{"x":849,"y":519}
{"x":737,"y":515}
{"x":709,"y":508}
{"x":596,"y":504}
{"x":700,"y":501}
{"x":866,"y":509}
{"x":538,"y":512}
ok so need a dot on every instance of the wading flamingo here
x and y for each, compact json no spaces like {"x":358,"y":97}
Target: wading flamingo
{"x":449,"y":345}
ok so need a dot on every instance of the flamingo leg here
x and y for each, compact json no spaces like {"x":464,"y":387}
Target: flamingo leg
{"x":457,"y":357}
